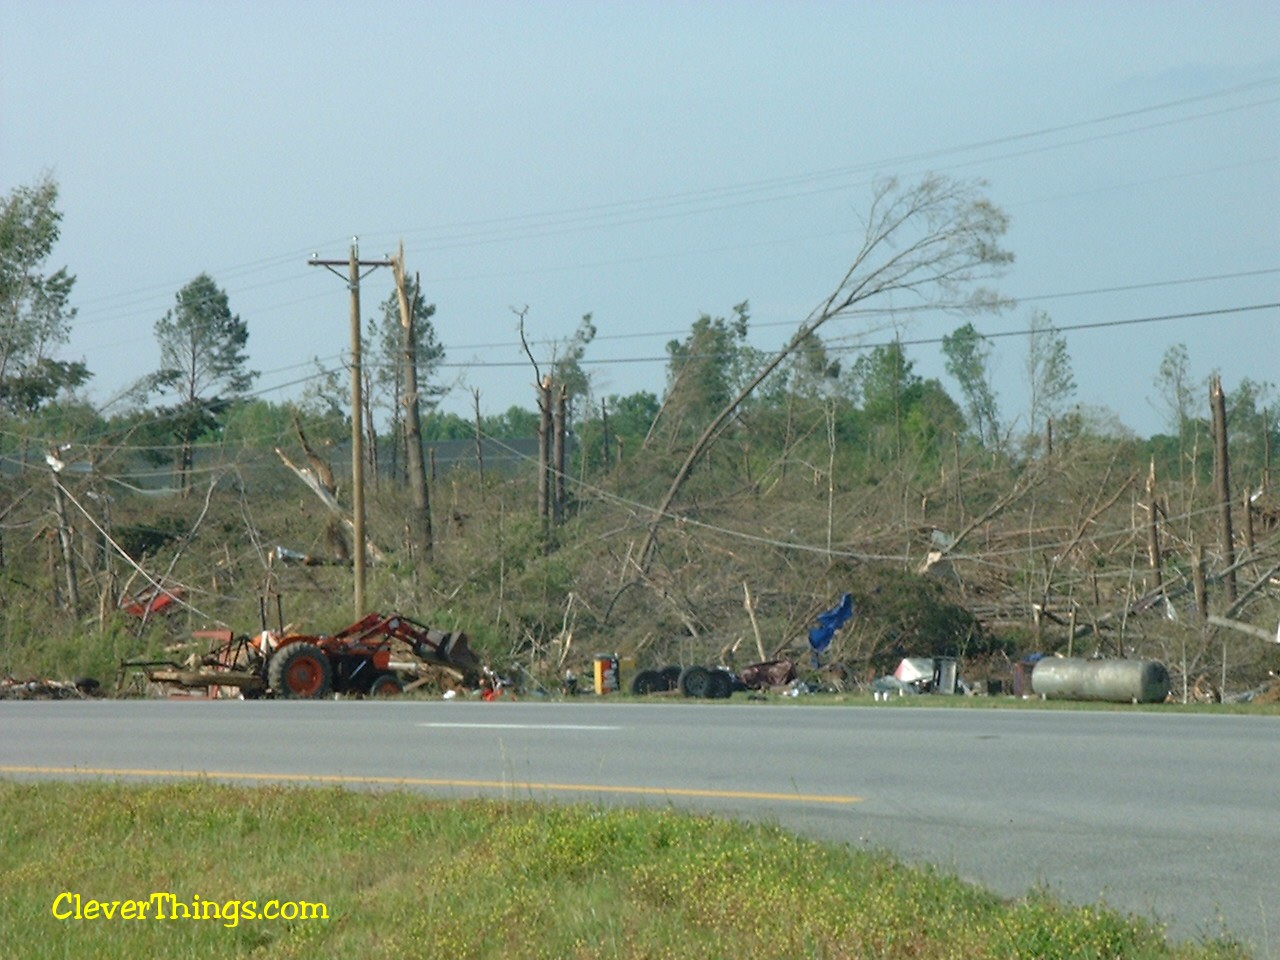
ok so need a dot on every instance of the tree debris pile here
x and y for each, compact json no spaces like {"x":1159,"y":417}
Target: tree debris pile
{"x":82,"y":688}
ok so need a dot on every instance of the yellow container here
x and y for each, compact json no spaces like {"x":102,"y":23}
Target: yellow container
{"x":606,"y":668}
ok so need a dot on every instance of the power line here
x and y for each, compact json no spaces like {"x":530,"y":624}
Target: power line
{"x":506,"y":229}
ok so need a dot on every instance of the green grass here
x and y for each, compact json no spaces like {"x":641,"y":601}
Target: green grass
{"x":403,"y":876}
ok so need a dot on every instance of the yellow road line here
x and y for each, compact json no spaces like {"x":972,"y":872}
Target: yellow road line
{"x":432,"y":782}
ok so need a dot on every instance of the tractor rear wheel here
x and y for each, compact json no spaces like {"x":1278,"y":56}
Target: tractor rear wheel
{"x":300,"y":671}
{"x":385,"y":685}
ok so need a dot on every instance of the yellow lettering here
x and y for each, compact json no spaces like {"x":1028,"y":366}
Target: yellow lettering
{"x":249,"y":910}
{"x":91,"y":910}
{"x":158,"y":899}
{"x":177,"y":905}
{"x":109,"y":909}
{"x":288,"y":910}
{"x":271,"y":911}
{"x":210,"y":905}
{"x":314,"y":911}
{"x":142,"y":908}
{"x":57,"y":900}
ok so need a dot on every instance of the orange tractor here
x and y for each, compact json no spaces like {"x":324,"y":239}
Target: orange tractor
{"x":356,"y":659}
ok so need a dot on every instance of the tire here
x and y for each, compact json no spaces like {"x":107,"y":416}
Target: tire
{"x":695,"y":681}
{"x":385,"y":685}
{"x":646,"y":682}
{"x":719,"y":685}
{"x":300,"y":671}
{"x":670,"y":678}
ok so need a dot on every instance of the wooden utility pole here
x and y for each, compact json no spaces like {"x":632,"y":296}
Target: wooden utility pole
{"x":353,"y":264}
{"x":420,"y":522}
{"x":1222,"y":485}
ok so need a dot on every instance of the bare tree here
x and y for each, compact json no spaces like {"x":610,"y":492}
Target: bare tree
{"x":929,"y":244}
{"x":420,"y":517}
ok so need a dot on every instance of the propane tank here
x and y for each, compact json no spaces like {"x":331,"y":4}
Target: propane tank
{"x":1115,"y":681}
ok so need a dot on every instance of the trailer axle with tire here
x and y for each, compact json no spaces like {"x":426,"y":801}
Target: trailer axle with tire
{"x":712,"y":683}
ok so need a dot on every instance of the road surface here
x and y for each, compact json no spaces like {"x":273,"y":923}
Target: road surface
{"x":1173,"y":817}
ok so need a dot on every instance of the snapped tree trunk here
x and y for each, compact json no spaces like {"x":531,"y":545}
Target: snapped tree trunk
{"x":1222,"y":486}
{"x":420,"y":516}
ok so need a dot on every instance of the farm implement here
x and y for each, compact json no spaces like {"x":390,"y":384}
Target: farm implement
{"x":355,"y":660}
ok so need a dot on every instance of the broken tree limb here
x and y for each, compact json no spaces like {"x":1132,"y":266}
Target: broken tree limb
{"x":751,"y":612}
{"x":1024,"y":485}
{"x":326,"y":496}
{"x":1248,"y":628}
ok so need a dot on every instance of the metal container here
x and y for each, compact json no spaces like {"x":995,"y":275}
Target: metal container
{"x":1114,"y":681}
{"x":946,"y":674}
{"x":606,"y":673}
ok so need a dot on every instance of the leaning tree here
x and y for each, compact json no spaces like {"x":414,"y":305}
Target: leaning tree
{"x":930,"y":245}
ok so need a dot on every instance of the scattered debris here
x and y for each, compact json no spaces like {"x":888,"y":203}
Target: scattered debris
{"x":153,"y":600}
{"x":1269,"y":692}
{"x":916,"y":675}
{"x":81,"y":688}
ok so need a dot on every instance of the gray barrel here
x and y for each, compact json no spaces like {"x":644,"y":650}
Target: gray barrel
{"x":1115,"y":681}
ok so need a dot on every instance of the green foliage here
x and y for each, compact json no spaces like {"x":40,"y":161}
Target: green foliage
{"x":621,"y":429}
{"x":906,"y":614}
{"x":968,"y":356}
{"x":35,"y":308}
{"x":1049,"y":375}
{"x":410,"y":877}
{"x":202,"y":345}
{"x":1253,"y":428}
{"x":202,"y":365}
{"x":567,"y":370}
{"x":257,"y":424}
{"x":704,"y":370}
{"x":902,"y":413}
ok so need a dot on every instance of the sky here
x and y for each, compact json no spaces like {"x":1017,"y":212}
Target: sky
{"x":649,"y":162}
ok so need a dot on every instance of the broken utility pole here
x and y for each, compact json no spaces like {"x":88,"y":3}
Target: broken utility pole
{"x":353,"y":264}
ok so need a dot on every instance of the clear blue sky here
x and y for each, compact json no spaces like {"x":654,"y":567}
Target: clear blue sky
{"x":648,"y":162}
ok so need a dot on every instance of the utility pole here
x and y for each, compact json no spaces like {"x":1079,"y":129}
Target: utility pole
{"x":354,"y":276}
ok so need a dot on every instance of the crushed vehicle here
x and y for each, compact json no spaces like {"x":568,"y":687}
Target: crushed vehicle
{"x":294,"y":666}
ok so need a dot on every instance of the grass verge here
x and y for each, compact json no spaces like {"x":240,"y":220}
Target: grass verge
{"x":404,"y":876}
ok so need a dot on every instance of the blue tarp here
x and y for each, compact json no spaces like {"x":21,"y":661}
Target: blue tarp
{"x":829,"y":622}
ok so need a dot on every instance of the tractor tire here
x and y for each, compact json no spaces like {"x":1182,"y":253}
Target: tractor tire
{"x":646,"y":682}
{"x":695,"y":682}
{"x":670,"y":678}
{"x":719,"y":685}
{"x":385,"y":685}
{"x":300,"y":671}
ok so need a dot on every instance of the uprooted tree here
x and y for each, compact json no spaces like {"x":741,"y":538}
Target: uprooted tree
{"x":928,"y":246}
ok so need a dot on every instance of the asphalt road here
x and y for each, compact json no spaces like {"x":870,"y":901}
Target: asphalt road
{"x":1173,"y":817}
